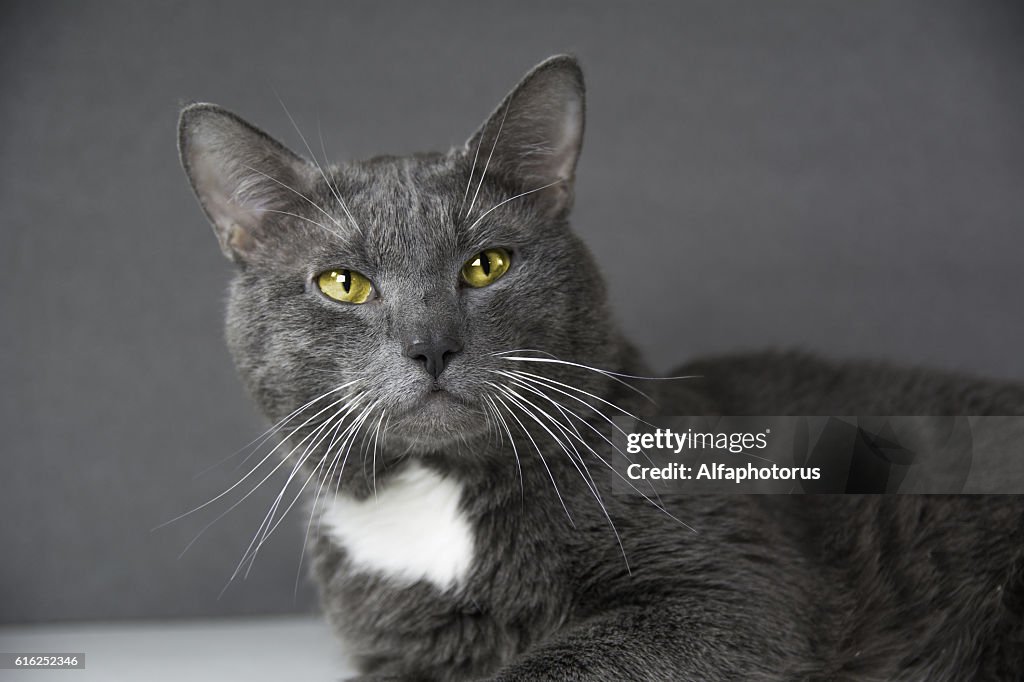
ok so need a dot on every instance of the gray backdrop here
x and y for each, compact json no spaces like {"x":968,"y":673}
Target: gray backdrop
{"x":843,"y":177}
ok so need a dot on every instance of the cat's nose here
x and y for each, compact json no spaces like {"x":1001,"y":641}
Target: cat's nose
{"x":435,"y":353}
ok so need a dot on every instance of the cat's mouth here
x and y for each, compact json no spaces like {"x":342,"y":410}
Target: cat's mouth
{"x":438,"y":398}
{"x":438,"y":416}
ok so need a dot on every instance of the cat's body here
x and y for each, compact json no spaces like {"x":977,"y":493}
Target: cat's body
{"x":769,"y":588}
{"x":474,"y":533}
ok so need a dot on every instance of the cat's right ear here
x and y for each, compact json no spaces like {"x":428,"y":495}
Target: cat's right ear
{"x":239,"y":174}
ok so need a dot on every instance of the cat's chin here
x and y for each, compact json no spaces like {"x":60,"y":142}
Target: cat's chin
{"x":437,"y":420}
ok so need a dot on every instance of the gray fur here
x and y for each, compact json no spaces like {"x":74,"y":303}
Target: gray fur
{"x":815,"y":588}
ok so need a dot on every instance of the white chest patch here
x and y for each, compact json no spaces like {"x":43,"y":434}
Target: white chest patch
{"x":412,"y":530}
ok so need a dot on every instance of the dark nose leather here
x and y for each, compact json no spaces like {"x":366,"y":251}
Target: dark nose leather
{"x":435,"y":354}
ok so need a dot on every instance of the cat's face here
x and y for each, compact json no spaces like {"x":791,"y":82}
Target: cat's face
{"x":395,"y":285}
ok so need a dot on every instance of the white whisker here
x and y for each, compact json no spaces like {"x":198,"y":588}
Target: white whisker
{"x":569,"y":413}
{"x":512,"y":442}
{"x":268,"y":519}
{"x":302,"y":196}
{"x":376,"y":433}
{"x":325,"y":482}
{"x":260,"y":483}
{"x":502,"y":203}
{"x":333,"y":187}
{"x":552,"y":359}
{"x":591,"y":484}
{"x":259,"y":440}
{"x":483,"y":173}
{"x":313,"y":507}
{"x":615,"y":376}
{"x":658,"y":506}
{"x":537,"y":448}
{"x":252,"y":551}
{"x":253,"y":470}
{"x":472,"y":170}
{"x":573,"y":388}
{"x":344,"y":206}
{"x":299,"y":217}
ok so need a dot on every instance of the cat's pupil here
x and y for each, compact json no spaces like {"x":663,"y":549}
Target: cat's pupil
{"x":346,"y":280}
{"x":485,"y":263}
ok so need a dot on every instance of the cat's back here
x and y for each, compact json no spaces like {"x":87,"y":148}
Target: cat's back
{"x":795,"y":383}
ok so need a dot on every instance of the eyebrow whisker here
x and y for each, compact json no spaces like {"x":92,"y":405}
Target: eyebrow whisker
{"x":487,"y":164}
{"x":302,"y":137}
{"x":502,"y":203}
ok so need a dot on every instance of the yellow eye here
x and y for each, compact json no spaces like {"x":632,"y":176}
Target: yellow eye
{"x":486,"y":267}
{"x":347,"y":286}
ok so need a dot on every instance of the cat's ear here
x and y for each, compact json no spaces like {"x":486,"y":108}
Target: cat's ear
{"x":239,"y":173}
{"x":535,"y":135}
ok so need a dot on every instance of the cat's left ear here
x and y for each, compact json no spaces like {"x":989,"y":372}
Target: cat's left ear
{"x":534,"y":137}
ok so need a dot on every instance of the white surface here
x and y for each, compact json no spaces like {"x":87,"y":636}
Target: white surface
{"x":411,"y":530}
{"x":249,"y":650}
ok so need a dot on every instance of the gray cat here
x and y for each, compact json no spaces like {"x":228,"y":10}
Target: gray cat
{"x":438,"y":347}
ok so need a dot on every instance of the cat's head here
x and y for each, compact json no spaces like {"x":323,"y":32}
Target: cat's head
{"x":405,"y":280}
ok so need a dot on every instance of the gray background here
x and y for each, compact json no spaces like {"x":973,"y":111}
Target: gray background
{"x":843,"y":177}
